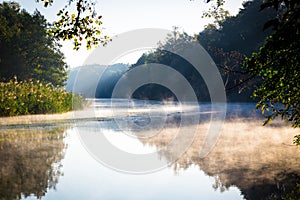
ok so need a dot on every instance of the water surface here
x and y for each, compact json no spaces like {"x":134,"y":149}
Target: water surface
{"x":248,"y":162}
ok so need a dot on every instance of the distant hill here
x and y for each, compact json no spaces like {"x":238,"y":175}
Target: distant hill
{"x":95,"y":81}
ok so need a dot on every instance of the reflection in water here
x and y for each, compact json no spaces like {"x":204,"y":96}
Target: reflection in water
{"x":29,"y":160}
{"x":261,"y":161}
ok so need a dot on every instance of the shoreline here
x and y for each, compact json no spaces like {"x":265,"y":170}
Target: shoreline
{"x":71,"y":116}
{"x":36,"y":119}
{"x":89,"y":114}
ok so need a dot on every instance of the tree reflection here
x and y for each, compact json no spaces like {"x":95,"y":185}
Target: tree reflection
{"x":261,"y":161}
{"x":29,"y":160}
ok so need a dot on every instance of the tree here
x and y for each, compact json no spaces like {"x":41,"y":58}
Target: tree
{"x":83,"y":25}
{"x":243,"y":32}
{"x":277,"y":63}
{"x":26,"y":50}
{"x":168,"y":53}
{"x":231,"y":40}
{"x":228,"y":43}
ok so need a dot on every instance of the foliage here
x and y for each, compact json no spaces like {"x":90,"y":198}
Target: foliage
{"x":297,"y":140}
{"x":293,"y":195}
{"x":243,"y":32}
{"x":277,"y":63}
{"x":26,"y":51}
{"x":83,"y":25}
{"x":231,"y":40}
{"x":168,"y":54}
{"x":34,"y":97}
{"x":217,"y":12}
{"x":228,"y":44}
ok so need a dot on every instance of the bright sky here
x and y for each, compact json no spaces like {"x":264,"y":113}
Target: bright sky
{"x":125,"y":15}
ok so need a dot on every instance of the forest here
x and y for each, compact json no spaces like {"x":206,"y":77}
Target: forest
{"x":256,"y":51}
{"x":32,"y":67}
{"x":245,"y":50}
{"x":101,"y":131}
{"x":228,"y":42}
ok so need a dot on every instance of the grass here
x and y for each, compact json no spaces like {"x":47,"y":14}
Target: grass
{"x":35,"y":97}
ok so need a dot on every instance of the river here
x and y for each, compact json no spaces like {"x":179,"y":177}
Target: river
{"x":151,"y":150}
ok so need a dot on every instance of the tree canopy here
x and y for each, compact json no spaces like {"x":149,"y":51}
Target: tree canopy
{"x":81,"y":26}
{"x":228,"y":43}
{"x":277,"y":61}
{"x":26,"y":50}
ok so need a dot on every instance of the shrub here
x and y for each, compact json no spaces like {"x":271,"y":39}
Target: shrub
{"x":34,"y":97}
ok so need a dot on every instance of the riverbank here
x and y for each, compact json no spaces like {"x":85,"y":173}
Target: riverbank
{"x":35,"y":119}
{"x":72,"y":116}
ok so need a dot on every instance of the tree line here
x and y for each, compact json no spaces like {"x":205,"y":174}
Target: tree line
{"x":268,"y":60}
{"x":26,"y":50}
{"x":32,"y":67}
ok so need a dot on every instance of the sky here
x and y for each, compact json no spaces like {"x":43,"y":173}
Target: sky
{"x":125,"y":15}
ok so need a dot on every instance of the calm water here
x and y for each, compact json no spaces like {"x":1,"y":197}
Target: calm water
{"x":248,"y":161}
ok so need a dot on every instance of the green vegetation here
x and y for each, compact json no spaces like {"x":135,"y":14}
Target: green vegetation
{"x":270,"y":75}
{"x":297,"y":139}
{"x":26,"y":51}
{"x":294,"y":194}
{"x":34,"y":97}
{"x":29,"y":53}
{"x":273,"y":69}
{"x":176,"y":42}
{"x":272,"y":72}
{"x":228,"y":42}
{"x":82,"y":26}
{"x":276,"y":63}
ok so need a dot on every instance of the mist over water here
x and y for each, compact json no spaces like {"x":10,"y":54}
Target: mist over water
{"x":141,"y":111}
{"x":248,"y":161}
